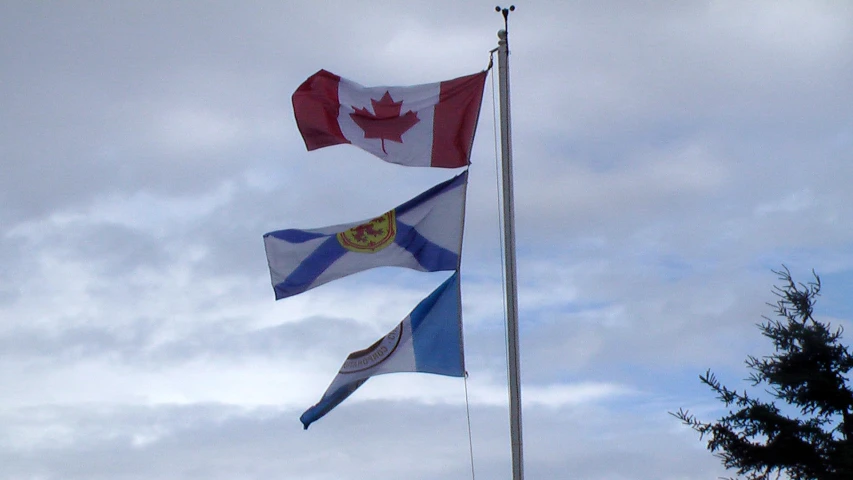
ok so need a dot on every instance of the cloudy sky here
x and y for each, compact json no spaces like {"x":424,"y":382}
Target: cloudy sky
{"x":668,"y":155}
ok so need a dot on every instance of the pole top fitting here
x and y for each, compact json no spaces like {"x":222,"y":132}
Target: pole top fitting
{"x":505,"y":12}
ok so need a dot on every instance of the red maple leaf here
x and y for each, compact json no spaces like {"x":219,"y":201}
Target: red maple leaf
{"x":386,"y":123}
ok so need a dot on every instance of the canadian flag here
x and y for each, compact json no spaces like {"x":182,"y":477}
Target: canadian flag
{"x":430,"y":125}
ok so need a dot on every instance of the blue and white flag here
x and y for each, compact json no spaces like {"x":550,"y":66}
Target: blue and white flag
{"x":429,"y":340}
{"x":424,"y":234}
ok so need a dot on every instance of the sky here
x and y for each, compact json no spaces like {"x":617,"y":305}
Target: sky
{"x":668,"y":157}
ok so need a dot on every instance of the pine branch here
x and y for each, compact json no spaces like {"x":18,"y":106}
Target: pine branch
{"x":809,"y":370}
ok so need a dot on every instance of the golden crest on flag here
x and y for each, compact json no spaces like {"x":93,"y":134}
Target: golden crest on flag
{"x":372,"y":236}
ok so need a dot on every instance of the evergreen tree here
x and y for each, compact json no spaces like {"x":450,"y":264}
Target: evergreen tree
{"x":808,"y":372}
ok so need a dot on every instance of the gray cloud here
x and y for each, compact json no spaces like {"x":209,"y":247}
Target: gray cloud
{"x":666,"y":158}
{"x":217,"y":441}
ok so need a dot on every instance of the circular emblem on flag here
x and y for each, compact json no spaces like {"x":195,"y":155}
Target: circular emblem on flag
{"x":372,"y":236}
{"x":374,"y":354}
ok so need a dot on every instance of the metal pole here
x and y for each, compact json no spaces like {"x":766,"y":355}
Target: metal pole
{"x":509,"y":255}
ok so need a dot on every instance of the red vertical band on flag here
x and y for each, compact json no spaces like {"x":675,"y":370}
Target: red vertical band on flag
{"x":316,"y":107}
{"x":455,"y":120}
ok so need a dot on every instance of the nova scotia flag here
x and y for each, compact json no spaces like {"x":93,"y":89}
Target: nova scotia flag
{"x":429,"y":340}
{"x":423,"y":234}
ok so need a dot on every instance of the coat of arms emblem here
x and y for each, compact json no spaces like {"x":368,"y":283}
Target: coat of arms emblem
{"x":372,"y":236}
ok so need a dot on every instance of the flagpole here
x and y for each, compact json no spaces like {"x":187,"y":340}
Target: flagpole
{"x":509,"y":253}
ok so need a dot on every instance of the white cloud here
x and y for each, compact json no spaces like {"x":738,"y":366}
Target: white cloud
{"x":666,"y":157}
